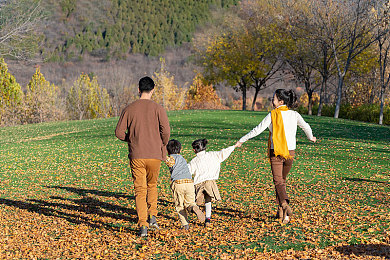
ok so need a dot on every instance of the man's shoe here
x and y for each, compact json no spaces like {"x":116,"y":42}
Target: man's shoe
{"x":143,"y":231}
{"x":153,"y":222}
{"x":199,"y":213}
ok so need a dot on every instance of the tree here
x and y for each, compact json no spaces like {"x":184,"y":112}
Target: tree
{"x":308,"y":22}
{"x":202,"y":96}
{"x":244,"y":55}
{"x":20,"y":21}
{"x":350,"y":27}
{"x":383,"y":44}
{"x":302,"y":61}
{"x":166,"y":93}
{"x":11,"y":96}
{"x":41,"y":100}
{"x":87,"y":100}
{"x":268,"y":42}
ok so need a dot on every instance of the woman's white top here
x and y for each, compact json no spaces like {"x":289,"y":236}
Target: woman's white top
{"x":291,"y":119}
{"x":206,"y":165}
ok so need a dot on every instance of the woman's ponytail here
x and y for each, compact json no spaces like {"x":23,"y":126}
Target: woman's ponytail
{"x":288,"y":96}
{"x":292,"y":99}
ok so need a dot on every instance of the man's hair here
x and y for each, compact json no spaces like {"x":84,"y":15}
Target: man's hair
{"x":146,"y":84}
{"x":173,"y":147}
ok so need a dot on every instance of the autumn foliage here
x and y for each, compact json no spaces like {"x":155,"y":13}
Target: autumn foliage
{"x":11,"y":96}
{"x":86,"y":99}
{"x":66,"y":193}
{"x":41,"y":100}
{"x":166,"y":92}
{"x":202,"y":96}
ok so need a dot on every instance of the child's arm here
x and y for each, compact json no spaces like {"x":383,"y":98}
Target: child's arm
{"x":306,"y":128}
{"x":170,"y":161}
{"x":224,"y":153}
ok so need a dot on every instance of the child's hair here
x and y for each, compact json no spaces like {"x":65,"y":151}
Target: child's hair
{"x":288,"y":96}
{"x":199,"y":145}
{"x":173,"y":147}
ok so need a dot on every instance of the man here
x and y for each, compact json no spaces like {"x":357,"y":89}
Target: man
{"x":144,"y":126}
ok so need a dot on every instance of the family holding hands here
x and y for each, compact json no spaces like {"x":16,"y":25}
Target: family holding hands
{"x":145,"y":127}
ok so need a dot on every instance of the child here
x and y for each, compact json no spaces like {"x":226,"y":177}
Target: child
{"x":282,"y":123}
{"x":182,"y":185}
{"x":205,"y":168}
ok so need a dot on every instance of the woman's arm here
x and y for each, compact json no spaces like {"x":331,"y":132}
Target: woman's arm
{"x":256,"y":131}
{"x":306,"y":128}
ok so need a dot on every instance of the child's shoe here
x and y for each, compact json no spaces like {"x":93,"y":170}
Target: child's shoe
{"x":153,"y":222}
{"x":199,"y":213}
{"x":207,"y":222}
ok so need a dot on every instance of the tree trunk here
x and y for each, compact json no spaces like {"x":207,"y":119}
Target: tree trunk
{"x":322,"y":96}
{"x":257,"y":89}
{"x":382,"y":98}
{"x":339,"y":94}
{"x":310,"y":103}
{"x":309,"y":92}
{"x":243,"y":98}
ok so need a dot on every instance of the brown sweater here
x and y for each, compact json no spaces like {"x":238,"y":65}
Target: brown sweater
{"x":144,"y":126}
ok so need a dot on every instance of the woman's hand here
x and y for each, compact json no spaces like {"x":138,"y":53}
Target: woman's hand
{"x":238,"y":144}
{"x":314,"y":139}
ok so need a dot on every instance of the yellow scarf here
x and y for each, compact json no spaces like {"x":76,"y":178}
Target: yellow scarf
{"x":278,"y":135}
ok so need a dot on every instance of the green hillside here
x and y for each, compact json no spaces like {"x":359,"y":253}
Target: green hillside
{"x":114,"y":28}
{"x":66,"y":192}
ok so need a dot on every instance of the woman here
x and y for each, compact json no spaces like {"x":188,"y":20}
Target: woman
{"x":282,"y":123}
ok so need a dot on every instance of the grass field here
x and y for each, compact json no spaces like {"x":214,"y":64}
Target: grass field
{"x":66,"y":192}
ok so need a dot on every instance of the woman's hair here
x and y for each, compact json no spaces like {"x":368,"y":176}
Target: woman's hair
{"x":199,"y":145}
{"x":288,"y":96}
{"x":173,"y":147}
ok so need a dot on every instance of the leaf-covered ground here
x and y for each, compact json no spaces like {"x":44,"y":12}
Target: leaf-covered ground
{"x":66,"y":193}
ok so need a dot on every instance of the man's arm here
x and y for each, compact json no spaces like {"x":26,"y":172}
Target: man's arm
{"x":121,"y":127}
{"x":165,"y":130}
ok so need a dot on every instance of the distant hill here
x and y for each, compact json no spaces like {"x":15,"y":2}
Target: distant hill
{"x":115,"y":28}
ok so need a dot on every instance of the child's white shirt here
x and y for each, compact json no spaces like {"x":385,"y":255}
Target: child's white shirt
{"x":291,"y":119}
{"x":206,"y":165}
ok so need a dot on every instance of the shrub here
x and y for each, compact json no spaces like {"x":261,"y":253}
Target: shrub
{"x":166,"y":93}
{"x":41,"y":100}
{"x":11,"y":97}
{"x":202,"y":96}
{"x":366,"y":112}
{"x":87,"y":100}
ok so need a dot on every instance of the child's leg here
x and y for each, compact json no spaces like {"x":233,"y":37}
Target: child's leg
{"x":189,"y":202}
{"x":179,"y":197}
{"x":207,"y":205}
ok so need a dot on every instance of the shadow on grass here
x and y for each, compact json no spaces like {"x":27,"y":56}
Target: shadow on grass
{"x":380,"y":250}
{"x":81,"y":211}
{"x":364,"y":180}
{"x":84,"y":192}
{"x":57,"y":210}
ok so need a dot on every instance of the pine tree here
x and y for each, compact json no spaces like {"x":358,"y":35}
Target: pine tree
{"x":11,"y":96}
{"x":41,"y":103}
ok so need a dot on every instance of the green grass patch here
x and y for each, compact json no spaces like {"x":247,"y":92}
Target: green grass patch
{"x":73,"y":179}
